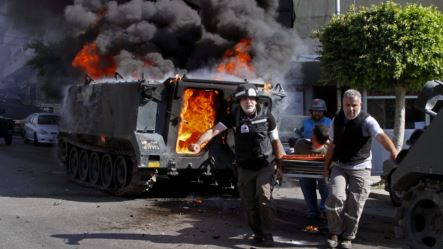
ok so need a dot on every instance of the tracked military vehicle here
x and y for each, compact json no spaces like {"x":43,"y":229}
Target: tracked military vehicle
{"x":418,"y":178}
{"x":121,"y":136}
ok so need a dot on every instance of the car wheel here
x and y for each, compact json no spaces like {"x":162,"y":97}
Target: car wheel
{"x":8,"y":139}
{"x":35,"y":139}
{"x":25,"y":138}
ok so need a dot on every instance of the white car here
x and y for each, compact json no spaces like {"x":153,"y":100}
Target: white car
{"x":41,"y":128}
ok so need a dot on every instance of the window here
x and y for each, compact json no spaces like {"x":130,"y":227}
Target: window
{"x":48,"y":119}
{"x":382,"y":108}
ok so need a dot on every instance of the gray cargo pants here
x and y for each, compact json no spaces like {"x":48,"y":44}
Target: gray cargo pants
{"x":348,"y":192}
{"x":255,"y":188}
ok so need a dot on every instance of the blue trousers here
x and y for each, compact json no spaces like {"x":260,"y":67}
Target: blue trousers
{"x":309,"y":188}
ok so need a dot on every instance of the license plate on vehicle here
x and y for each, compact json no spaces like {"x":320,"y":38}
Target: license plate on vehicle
{"x":154,"y":164}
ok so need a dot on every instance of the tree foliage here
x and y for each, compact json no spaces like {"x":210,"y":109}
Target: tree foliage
{"x":46,"y":59}
{"x":52,"y":61}
{"x":383,"y":46}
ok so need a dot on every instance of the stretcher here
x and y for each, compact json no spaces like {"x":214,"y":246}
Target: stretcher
{"x":303,"y":166}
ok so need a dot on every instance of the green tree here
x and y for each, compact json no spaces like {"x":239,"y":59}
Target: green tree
{"x":52,"y":61}
{"x":385,"y":47}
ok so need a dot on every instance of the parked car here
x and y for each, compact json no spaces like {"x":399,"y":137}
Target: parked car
{"x":41,"y":128}
{"x":6,"y":128}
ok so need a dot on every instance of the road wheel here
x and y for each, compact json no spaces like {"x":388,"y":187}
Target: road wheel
{"x":35,"y":139}
{"x":421,"y":217}
{"x":94,"y":168}
{"x":106,"y":171}
{"x":8,"y":139}
{"x":396,"y":197}
{"x":62,"y":149}
{"x":73,"y":162}
{"x":83,"y":166}
{"x":121,"y":172}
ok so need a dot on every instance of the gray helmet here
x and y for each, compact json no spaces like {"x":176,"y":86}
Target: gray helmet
{"x":246,"y":90}
{"x":318,"y":105}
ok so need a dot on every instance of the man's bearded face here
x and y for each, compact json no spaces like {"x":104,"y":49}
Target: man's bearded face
{"x":317,"y":115}
{"x":248,"y":105}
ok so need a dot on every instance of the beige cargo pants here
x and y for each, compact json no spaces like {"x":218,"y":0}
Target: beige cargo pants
{"x":255,"y":188}
{"x":348,"y":192}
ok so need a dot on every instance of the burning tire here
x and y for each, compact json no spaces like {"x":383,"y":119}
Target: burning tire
{"x":421,"y":217}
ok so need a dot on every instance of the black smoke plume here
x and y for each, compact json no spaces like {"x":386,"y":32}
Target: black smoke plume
{"x":189,"y":35}
{"x":162,"y":37}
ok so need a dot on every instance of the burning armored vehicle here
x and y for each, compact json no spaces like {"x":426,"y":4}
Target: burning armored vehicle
{"x":121,"y":136}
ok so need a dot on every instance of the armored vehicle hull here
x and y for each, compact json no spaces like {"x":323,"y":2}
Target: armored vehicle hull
{"x":120,"y":137}
{"x":418,"y":179}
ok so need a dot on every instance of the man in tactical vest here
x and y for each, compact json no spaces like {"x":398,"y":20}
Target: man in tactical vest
{"x":348,"y":166}
{"x":256,"y":138}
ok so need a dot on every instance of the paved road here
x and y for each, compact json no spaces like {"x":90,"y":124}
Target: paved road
{"x":41,"y":208}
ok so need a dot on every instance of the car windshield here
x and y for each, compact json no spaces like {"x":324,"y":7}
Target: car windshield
{"x":48,"y":119}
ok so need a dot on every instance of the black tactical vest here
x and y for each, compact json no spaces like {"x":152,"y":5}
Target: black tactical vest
{"x":253,"y":147}
{"x":351,"y":146}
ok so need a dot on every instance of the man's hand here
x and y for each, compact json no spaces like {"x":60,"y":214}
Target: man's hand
{"x":194,"y":148}
{"x":394,"y":154}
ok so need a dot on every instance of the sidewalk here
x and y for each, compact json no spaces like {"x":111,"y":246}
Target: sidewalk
{"x":376,"y":228}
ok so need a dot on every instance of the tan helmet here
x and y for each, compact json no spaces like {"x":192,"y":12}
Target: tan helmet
{"x":318,"y":105}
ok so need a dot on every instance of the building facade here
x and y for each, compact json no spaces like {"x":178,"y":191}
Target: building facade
{"x":310,"y":15}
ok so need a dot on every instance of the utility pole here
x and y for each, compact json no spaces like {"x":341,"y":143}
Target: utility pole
{"x":337,"y":7}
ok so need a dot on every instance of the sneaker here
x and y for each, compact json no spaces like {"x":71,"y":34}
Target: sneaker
{"x":268,"y":240}
{"x":347,"y":244}
{"x":332,"y":241}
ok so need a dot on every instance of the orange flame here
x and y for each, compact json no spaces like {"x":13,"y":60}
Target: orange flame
{"x":237,"y":61}
{"x":267,"y":86}
{"x":197,"y":115}
{"x":95,"y":64}
{"x":311,"y":229}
